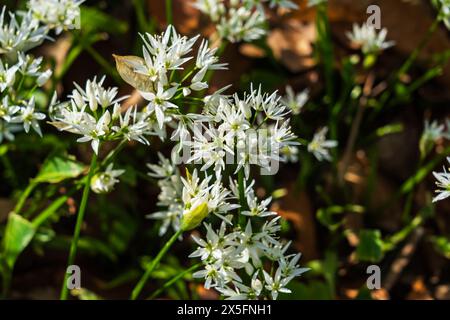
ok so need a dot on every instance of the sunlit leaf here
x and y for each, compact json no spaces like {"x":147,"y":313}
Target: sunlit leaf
{"x":58,"y":168}
{"x":18,"y":235}
{"x":370,"y":247}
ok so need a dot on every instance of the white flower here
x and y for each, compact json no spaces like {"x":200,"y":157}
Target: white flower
{"x":367,"y":38}
{"x":7,"y":76}
{"x":213,"y":8}
{"x":165,"y":168}
{"x":433,"y":131}
{"x":206,"y":58}
{"x":29,"y":117}
{"x":57,"y":14}
{"x":319,"y":145}
{"x":81,"y":115}
{"x":31,"y":67}
{"x":21,"y":35}
{"x":257,"y":209}
{"x":160,"y":102}
{"x":242,"y":24}
{"x":104,"y":182}
{"x":295,"y":102}
{"x":7,"y":110}
{"x":95,"y":131}
{"x":276,"y":284}
{"x":443,"y":182}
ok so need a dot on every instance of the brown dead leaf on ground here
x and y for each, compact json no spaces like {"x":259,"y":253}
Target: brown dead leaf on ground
{"x":442,"y":292}
{"x":291,"y":44}
{"x":419,"y":291}
{"x":297,"y":209}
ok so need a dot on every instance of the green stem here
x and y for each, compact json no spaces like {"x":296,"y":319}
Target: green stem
{"x":110,"y":157}
{"x":24,"y":196}
{"x":80,"y":217}
{"x":408,"y":63}
{"x":169,"y":14}
{"x":103,"y":63}
{"x":140,"y":285}
{"x":44,"y":215}
{"x":174,"y":280}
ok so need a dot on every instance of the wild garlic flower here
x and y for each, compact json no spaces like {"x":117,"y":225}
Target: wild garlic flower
{"x":94,"y":112}
{"x":242,"y":244}
{"x":18,"y":111}
{"x":366,"y":38}
{"x":294,"y":101}
{"x":443,"y":183}
{"x":164,"y":56}
{"x":231,"y":254}
{"x":433,"y":131}
{"x":29,"y":117}
{"x":57,"y":14}
{"x":240,"y":20}
{"x":250,"y":131}
{"x":187,"y":198}
{"x":104,"y":182}
{"x":20,"y":34}
{"x":7,"y":76}
{"x":320,"y":146}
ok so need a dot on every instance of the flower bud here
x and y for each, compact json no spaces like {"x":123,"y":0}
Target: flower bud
{"x":194,"y":217}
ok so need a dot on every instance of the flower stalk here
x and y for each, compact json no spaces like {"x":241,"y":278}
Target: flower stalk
{"x":153,"y":264}
{"x":80,"y":218}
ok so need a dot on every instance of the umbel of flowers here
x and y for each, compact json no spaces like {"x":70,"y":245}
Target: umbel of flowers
{"x":21,"y":74}
{"x":242,"y":253}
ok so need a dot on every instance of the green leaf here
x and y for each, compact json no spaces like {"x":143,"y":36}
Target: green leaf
{"x":18,"y":235}
{"x":94,"y":20}
{"x":58,"y":168}
{"x":327,"y":216}
{"x":370,"y":247}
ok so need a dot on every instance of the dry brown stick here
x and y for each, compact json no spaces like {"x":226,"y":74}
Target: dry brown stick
{"x":403,"y":259}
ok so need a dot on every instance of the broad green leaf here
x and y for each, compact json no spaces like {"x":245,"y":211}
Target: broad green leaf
{"x":18,"y":235}
{"x":370,"y":247}
{"x":58,"y":168}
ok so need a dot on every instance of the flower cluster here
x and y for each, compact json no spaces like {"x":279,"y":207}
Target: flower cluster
{"x":239,"y":20}
{"x":366,"y":38}
{"x":231,"y":134}
{"x":95,"y":113}
{"x":57,"y":14}
{"x":17,"y":105}
{"x":247,"y":131}
{"x":245,"y":241}
{"x":21,"y":74}
{"x":164,"y":56}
